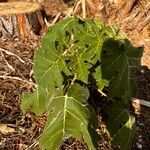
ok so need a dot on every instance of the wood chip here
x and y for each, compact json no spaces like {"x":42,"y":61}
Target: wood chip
{"x":4,"y":129}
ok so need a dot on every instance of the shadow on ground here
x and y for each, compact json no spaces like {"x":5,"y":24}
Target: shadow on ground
{"x":142,"y":113}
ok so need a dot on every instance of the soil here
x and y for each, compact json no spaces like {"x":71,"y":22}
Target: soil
{"x":20,"y":131}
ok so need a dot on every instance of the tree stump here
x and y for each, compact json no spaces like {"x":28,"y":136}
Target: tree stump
{"x":22,"y":20}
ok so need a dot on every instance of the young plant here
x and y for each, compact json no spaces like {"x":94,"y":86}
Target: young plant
{"x":74,"y":55}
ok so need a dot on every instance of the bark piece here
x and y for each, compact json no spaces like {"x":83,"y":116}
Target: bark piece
{"x":21,"y":19}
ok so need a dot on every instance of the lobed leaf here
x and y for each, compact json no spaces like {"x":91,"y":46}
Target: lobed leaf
{"x":120,"y":60}
{"x":69,"y":117}
{"x":74,"y":51}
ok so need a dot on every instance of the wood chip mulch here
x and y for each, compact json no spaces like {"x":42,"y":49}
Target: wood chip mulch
{"x":21,"y":132}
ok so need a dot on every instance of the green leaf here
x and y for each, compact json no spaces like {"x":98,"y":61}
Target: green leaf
{"x":48,"y":66}
{"x":120,"y":125}
{"x":81,"y":50}
{"x":125,"y":136}
{"x":35,"y":101}
{"x":68,"y":117}
{"x":74,"y":41}
{"x":39,"y":100}
{"x":78,"y":92}
{"x":120,"y":60}
{"x":101,"y":83}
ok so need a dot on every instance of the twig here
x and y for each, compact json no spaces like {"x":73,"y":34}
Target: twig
{"x":17,"y":78}
{"x":12,"y":54}
{"x":76,"y":6}
{"x":34,"y":144}
{"x":46,"y":22}
{"x":83,"y":5}
{"x":55,"y":19}
{"x":9,"y":66}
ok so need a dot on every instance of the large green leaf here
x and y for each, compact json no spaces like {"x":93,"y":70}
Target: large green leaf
{"x":68,"y":117}
{"x":48,"y":66}
{"x":120,"y":60}
{"x":120,"y":125}
{"x":76,"y":51}
{"x":76,"y":41}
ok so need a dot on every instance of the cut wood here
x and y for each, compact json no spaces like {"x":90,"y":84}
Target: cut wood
{"x":21,"y":19}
